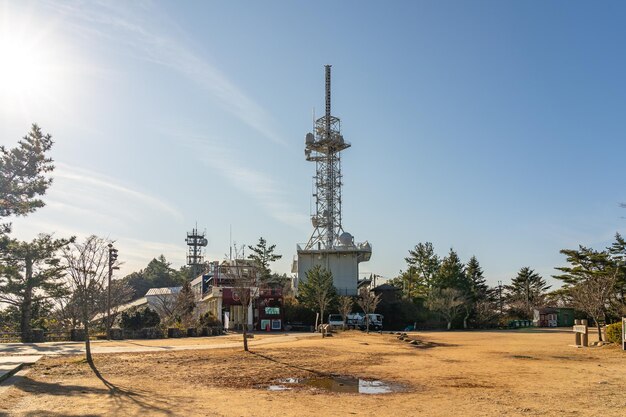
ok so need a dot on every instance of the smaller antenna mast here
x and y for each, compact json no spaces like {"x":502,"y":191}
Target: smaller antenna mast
{"x":195,"y":257}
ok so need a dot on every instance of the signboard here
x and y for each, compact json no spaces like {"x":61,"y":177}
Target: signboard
{"x":624,"y":333}
{"x":580,"y":333}
{"x":272,"y":310}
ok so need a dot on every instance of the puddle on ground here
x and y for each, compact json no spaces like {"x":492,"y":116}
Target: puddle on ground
{"x":339,"y":384}
{"x":278,"y":388}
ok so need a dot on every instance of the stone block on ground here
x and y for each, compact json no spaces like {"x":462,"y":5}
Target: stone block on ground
{"x":77,"y":335}
{"x":37,"y":336}
{"x":174,"y":332}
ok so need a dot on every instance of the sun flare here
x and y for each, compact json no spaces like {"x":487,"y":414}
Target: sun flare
{"x":21,"y":71}
{"x":30,"y":66}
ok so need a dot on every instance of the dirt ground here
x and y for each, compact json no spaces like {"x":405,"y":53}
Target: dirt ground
{"x":500,"y":373}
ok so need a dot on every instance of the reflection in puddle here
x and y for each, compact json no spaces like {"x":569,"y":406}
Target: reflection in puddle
{"x":278,"y":388}
{"x":340,"y":384}
{"x":289,"y":381}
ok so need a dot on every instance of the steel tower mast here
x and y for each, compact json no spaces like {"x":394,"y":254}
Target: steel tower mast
{"x":324,"y":147}
{"x":195,"y":258}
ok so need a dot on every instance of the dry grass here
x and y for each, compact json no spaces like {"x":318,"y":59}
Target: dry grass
{"x":457,"y":373}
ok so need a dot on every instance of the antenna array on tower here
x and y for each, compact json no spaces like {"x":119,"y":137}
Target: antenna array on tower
{"x":324,"y":147}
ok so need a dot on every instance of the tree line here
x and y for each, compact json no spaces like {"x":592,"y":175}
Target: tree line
{"x":594,"y":284}
{"x":67,"y":277}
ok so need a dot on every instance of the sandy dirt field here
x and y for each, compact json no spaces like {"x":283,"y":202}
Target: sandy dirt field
{"x":496,"y":373}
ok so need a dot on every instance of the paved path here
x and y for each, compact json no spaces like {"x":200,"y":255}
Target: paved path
{"x":160,"y":345}
{"x":15,"y":355}
{"x":11,"y":364}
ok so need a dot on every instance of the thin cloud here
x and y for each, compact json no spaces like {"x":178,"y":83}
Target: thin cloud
{"x":134,"y":253}
{"x":98,"y":182}
{"x":127,"y":25}
{"x":263,"y":189}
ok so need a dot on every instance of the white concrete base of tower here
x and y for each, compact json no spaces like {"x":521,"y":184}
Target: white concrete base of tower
{"x":341,"y":261}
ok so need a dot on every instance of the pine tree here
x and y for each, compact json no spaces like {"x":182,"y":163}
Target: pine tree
{"x":422,"y":267}
{"x":590,"y":281}
{"x":617,"y":250}
{"x":451,"y":273}
{"x":157,"y":274}
{"x":526,"y":292}
{"x":31,"y":272}
{"x":263,"y":255}
{"x":478,"y":283}
{"x":474,"y":288}
{"x":318,"y":290}
{"x":23,"y":175}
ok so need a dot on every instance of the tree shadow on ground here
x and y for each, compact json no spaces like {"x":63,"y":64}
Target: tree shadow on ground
{"x":425,"y":344}
{"x":36,"y":348}
{"x":155,"y":347}
{"x":289,"y":365}
{"x":47,"y":413}
{"x":123,"y":397}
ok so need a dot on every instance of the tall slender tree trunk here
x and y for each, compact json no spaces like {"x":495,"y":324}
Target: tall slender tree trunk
{"x":599,"y":329}
{"x":245,"y":328}
{"x":88,"y":344}
{"x":245,"y":337}
{"x":27,"y":303}
{"x":465,"y":318}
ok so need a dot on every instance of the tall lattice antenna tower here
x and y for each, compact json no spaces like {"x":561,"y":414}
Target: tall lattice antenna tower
{"x":195,"y":255}
{"x":324,"y":147}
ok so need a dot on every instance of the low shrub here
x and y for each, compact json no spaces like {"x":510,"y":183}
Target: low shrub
{"x":614,"y":333}
{"x":139,"y":319}
{"x":208,"y":319}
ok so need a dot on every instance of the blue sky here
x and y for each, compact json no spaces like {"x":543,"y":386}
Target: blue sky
{"x":492,"y":127}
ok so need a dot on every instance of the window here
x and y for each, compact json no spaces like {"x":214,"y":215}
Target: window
{"x":276,"y":325}
{"x":272,"y":310}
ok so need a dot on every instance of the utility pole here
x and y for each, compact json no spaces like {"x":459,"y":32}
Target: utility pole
{"x":112,"y":266}
{"x":528,"y":295}
{"x":500,"y":296}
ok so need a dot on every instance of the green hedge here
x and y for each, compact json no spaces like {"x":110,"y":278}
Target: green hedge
{"x":614,"y":333}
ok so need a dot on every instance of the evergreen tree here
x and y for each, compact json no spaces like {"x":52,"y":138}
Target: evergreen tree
{"x":422,"y":267}
{"x":263,"y":255}
{"x":590,"y":281}
{"x":474,"y":288}
{"x":31,"y":272}
{"x":23,"y":175}
{"x":617,"y":250}
{"x":318,"y":290}
{"x":157,"y":274}
{"x":526,"y":292}
{"x":451,"y":273}
{"x":476,"y":279}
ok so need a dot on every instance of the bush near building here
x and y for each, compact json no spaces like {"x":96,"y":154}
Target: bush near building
{"x":139,"y":319}
{"x":614,"y":333}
